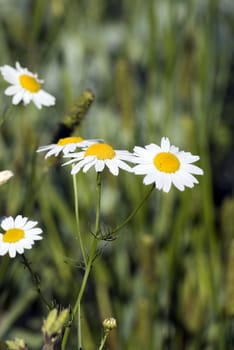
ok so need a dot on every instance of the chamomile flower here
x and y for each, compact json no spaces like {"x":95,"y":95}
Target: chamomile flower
{"x":99,"y":155}
{"x":165,"y":165}
{"x":25,"y":86}
{"x":20,"y":233}
{"x":65,"y":145}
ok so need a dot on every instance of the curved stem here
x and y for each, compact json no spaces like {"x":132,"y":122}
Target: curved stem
{"x":89,"y":263}
{"x":133,"y":213}
{"x":76,"y":203}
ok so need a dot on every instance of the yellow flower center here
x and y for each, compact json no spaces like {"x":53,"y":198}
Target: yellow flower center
{"x":67,"y":140}
{"x":101,"y":150}
{"x":166,"y":162}
{"x":13,"y":235}
{"x":29,"y":83}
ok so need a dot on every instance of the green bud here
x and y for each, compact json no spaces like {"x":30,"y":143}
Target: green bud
{"x":74,"y":116}
{"x":55,"y":322}
{"x":109,"y":324}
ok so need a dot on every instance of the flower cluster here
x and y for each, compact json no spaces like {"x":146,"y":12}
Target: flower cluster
{"x":162,"y":164}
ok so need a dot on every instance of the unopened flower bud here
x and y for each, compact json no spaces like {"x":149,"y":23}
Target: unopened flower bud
{"x":17,"y":344}
{"x":109,"y":324}
{"x":55,"y":322}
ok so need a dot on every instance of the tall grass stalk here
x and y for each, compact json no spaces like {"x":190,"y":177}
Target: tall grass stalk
{"x":92,"y":254}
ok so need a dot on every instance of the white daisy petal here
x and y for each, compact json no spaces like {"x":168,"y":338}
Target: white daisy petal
{"x":142,"y":169}
{"x":167,"y":184}
{"x":166,"y":165}
{"x":87,"y":166}
{"x":20,"y":250}
{"x":178,"y":183}
{"x":149,"y":179}
{"x":3,"y":249}
{"x":7,"y":223}
{"x":12,"y":251}
{"x":123,"y":165}
{"x":100,"y":165}
{"x":160,"y":180}
{"x":193,"y":169}
{"x":75,"y":169}
{"x":53,"y":152}
{"x":10,"y":74}
{"x":152,"y":148}
{"x":112,"y":166}
{"x":29,"y":224}
{"x":165,"y":144}
{"x":45,"y":98}
{"x":26,"y":98}
{"x":20,"y":221}
{"x":20,"y":233}
{"x":11,"y":90}
{"x":34,"y":232}
{"x":18,"y":97}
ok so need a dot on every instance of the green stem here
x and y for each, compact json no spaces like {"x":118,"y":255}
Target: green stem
{"x":89,"y":263}
{"x":79,"y":333}
{"x":103,"y":340}
{"x":76,"y":203}
{"x":133,"y":213}
{"x":35,"y":281}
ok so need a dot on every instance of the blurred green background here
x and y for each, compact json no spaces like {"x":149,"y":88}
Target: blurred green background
{"x":157,"y":68}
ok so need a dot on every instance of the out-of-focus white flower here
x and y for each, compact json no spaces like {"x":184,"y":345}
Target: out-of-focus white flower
{"x":25,"y":86}
{"x":5,"y":175}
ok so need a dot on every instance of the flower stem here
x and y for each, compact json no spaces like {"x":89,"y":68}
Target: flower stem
{"x":133,"y":213}
{"x":36,"y":281}
{"x":104,"y":338}
{"x":88,"y":266}
{"x":76,"y":203}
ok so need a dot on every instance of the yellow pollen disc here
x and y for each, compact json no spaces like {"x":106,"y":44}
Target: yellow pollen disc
{"x":67,"y":140}
{"x":166,"y":162}
{"x":29,"y":83}
{"x":13,"y":235}
{"x":101,"y":150}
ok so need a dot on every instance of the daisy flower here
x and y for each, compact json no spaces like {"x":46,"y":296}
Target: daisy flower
{"x":65,"y":145}
{"x":165,"y":165}
{"x":20,"y":233}
{"x":25,"y":86}
{"x":100,"y":155}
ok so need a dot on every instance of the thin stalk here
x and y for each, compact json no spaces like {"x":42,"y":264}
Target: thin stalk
{"x":35,"y":281}
{"x":103,"y":341}
{"x":89,"y":263}
{"x":76,"y":203}
{"x":79,"y":332}
{"x":133,"y":213}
